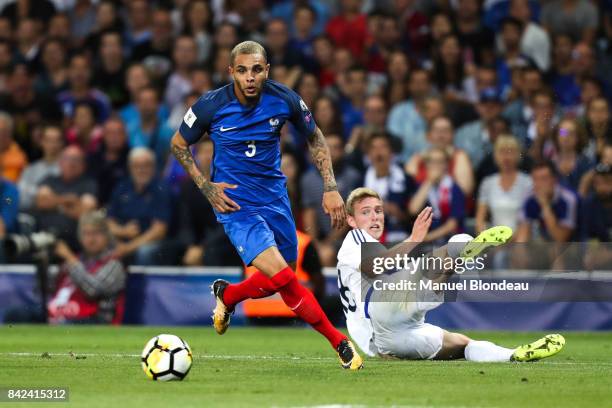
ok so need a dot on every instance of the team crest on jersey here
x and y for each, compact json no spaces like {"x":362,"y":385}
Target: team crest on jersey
{"x":274,"y":122}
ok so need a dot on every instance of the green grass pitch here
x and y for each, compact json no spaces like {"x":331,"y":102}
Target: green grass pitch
{"x":252,"y":367}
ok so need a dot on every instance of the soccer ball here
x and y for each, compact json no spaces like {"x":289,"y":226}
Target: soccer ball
{"x":166,"y":357}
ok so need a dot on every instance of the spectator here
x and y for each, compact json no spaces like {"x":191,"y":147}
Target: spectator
{"x":136,"y":79}
{"x":550,"y":212}
{"x":200,"y":232}
{"x":290,"y":167}
{"x":597,"y":208}
{"x":155,"y":53}
{"x":304,"y":20}
{"x":27,"y":43}
{"x":184,"y":55}
{"x":442,"y":194}
{"x":398,"y":72}
{"x":198,"y":24}
{"x":598,"y":127}
{"x":308,"y":88}
{"x":110,"y":159}
{"x":576,"y":18}
{"x":541,"y":121}
{"x":279,"y":49}
{"x":563,"y":78}
{"x":385,"y":38}
{"x":139,"y":212}
{"x":52,"y":142}
{"x":41,"y":10}
{"x":327,"y":116}
{"x":450,"y":71}
{"x":349,"y":28}
{"x":89,"y":287}
{"x":512,"y":56}
{"x":477,"y":39}
{"x":287,"y":9}
{"x":375,"y":118}
{"x":82,"y":19}
{"x":518,"y":111}
{"x":535,"y":42}
{"x":138,"y":21}
{"x":597,"y":220}
{"x":459,"y":167}
{"x":475,"y":137}
{"x":414,"y":25}
{"x":571,"y":163}
{"x":59,"y":28}
{"x":586,"y":183}
{"x":12,"y":159}
{"x":109,"y":75}
{"x":84,"y":132}
{"x":62,"y":199}
{"x":107,"y":20}
{"x":501,"y":195}
{"x":147,"y":130}
{"x":323,"y":52}
{"x":393,"y":185}
{"x":406,"y":118}
{"x":27,"y":109}
{"x":353,"y":95}
{"x":314,"y":219}
{"x":54,"y":75}
{"x":79,"y":76}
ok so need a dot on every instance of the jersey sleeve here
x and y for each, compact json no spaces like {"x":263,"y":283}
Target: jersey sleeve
{"x":350,"y":252}
{"x":198,"y":118}
{"x":299,"y":114}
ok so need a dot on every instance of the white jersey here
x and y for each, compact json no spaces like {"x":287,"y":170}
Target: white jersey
{"x":349,"y":284}
{"x":384,"y":327}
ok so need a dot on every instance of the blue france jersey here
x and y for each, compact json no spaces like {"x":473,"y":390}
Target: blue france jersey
{"x":247,"y":139}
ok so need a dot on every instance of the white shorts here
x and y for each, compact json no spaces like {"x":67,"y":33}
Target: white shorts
{"x":420,"y":342}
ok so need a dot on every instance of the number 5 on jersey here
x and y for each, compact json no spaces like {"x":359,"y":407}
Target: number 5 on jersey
{"x":252,"y":149}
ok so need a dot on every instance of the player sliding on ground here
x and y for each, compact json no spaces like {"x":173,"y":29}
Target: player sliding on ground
{"x":247,"y":189}
{"x":397,"y":328}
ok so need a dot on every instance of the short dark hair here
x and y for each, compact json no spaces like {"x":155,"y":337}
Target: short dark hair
{"x":541,"y":164}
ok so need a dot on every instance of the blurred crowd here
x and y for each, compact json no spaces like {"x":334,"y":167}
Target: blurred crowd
{"x":492,"y":112}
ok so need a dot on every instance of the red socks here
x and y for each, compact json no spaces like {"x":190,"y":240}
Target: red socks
{"x":256,"y":286}
{"x":296,"y":297}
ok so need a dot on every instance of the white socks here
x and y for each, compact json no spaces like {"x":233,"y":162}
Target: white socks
{"x":485,"y":351}
{"x":456,"y":243}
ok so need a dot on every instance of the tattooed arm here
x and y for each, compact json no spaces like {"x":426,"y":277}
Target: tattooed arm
{"x":214,"y":192}
{"x":332,"y":201}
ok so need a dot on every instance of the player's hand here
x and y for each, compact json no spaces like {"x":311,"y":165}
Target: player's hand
{"x":333,"y":205}
{"x":421,"y":225}
{"x":215,"y":194}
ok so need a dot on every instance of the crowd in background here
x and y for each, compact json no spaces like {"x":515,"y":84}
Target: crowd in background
{"x":493,"y":112}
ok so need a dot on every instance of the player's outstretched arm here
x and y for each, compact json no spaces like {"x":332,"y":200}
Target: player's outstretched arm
{"x":419,"y":231}
{"x":332,"y":201}
{"x":214,"y":192}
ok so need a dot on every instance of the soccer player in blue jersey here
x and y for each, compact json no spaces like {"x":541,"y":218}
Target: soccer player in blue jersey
{"x":247,"y":189}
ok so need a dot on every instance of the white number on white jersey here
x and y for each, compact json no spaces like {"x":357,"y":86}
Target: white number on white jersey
{"x":253,"y":149}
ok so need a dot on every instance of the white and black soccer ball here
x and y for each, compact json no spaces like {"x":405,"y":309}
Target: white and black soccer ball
{"x":166,"y":357}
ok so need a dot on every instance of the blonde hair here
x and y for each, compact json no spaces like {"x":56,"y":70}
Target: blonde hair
{"x":358,"y":195}
{"x":97,"y":219}
{"x":507,"y":141}
{"x":247,"y":47}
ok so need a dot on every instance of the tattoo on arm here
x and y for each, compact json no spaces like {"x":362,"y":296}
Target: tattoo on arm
{"x":185,"y":158}
{"x":322,"y":159}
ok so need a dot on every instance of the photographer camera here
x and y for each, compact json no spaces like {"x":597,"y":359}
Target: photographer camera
{"x":89,"y":287}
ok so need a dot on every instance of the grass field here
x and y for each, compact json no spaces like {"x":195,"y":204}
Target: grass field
{"x":293,"y":367}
